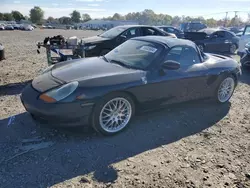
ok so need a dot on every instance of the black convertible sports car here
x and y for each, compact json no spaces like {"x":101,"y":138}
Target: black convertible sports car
{"x":143,"y":72}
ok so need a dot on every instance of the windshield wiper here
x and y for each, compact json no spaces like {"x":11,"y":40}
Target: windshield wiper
{"x":105,"y":58}
{"x":122,"y":64}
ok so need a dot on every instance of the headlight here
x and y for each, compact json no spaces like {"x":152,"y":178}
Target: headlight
{"x":60,"y":93}
{"x":47,"y":69}
{"x":89,"y":47}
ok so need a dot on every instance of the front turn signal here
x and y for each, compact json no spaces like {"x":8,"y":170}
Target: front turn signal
{"x":47,"y":98}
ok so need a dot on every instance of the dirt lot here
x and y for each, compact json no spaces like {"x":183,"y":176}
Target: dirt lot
{"x":197,"y":144}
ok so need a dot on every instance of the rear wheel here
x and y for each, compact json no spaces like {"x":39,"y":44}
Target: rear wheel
{"x":225,"y":89}
{"x":232,"y":48}
{"x":113,"y":114}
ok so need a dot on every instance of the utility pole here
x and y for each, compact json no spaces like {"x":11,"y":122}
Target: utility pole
{"x":235,"y":13}
{"x":226,"y":20}
{"x":235,"y":16}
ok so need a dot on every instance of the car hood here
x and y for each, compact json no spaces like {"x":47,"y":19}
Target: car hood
{"x":95,"y":39}
{"x":95,"y":71}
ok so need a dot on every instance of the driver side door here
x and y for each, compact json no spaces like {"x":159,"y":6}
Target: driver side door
{"x":187,"y":83}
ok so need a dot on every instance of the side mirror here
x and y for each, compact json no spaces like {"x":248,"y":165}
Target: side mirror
{"x":171,"y":65}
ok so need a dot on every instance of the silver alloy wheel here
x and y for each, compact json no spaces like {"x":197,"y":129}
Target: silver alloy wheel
{"x":226,"y":89}
{"x":233,"y":48}
{"x":115,"y":115}
{"x":201,"y":47}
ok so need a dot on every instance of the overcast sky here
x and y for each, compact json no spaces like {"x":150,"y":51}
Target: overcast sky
{"x":103,"y":8}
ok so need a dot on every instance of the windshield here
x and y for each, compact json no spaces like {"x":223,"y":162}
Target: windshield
{"x":113,"y":32}
{"x":135,"y":54}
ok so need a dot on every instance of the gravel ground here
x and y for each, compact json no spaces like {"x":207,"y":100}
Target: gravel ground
{"x":196,"y":144}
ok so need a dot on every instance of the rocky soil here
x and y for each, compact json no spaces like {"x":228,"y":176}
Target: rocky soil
{"x":191,"y":145}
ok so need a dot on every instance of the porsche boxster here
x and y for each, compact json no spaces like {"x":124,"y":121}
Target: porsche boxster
{"x":144,"y":72}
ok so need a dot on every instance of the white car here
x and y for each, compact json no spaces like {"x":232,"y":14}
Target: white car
{"x":2,"y":27}
{"x":244,"y":39}
{"x":28,"y":28}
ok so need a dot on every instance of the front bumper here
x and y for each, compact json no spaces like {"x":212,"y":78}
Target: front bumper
{"x":59,"y":114}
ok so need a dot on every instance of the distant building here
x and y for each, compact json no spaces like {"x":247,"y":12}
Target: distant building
{"x":106,"y":23}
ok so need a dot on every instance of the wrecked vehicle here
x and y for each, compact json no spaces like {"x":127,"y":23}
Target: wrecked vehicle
{"x":214,"y":40}
{"x":142,"y":73}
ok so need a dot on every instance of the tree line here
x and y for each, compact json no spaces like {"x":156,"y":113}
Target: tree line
{"x":149,"y":17}
{"x":146,"y":17}
{"x":36,"y":16}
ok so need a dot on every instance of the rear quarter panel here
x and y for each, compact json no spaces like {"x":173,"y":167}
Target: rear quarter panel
{"x":219,"y":67}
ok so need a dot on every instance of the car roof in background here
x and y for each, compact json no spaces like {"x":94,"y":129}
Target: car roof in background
{"x":168,"y":41}
{"x":209,"y":30}
{"x":129,"y":26}
{"x":165,"y":26}
{"x":212,"y":30}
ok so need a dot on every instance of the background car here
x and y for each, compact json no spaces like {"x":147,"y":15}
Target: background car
{"x":28,"y":28}
{"x":173,"y":30}
{"x":34,"y":26}
{"x":16,"y":26}
{"x":2,"y":27}
{"x":142,"y":73}
{"x":245,"y":58}
{"x":105,"y":42}
{"x":244,"y":39}
{"x":9,"y":27}
{"x":216,"y":40}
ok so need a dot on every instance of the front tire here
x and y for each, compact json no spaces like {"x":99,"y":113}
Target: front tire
{"x":113,"y":114}
{"x":225,"y":89}
{"x":232,"y":48}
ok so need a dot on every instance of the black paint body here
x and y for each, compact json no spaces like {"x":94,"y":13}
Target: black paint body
{"x":149,"y":88}
{"x":213,"y":43}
